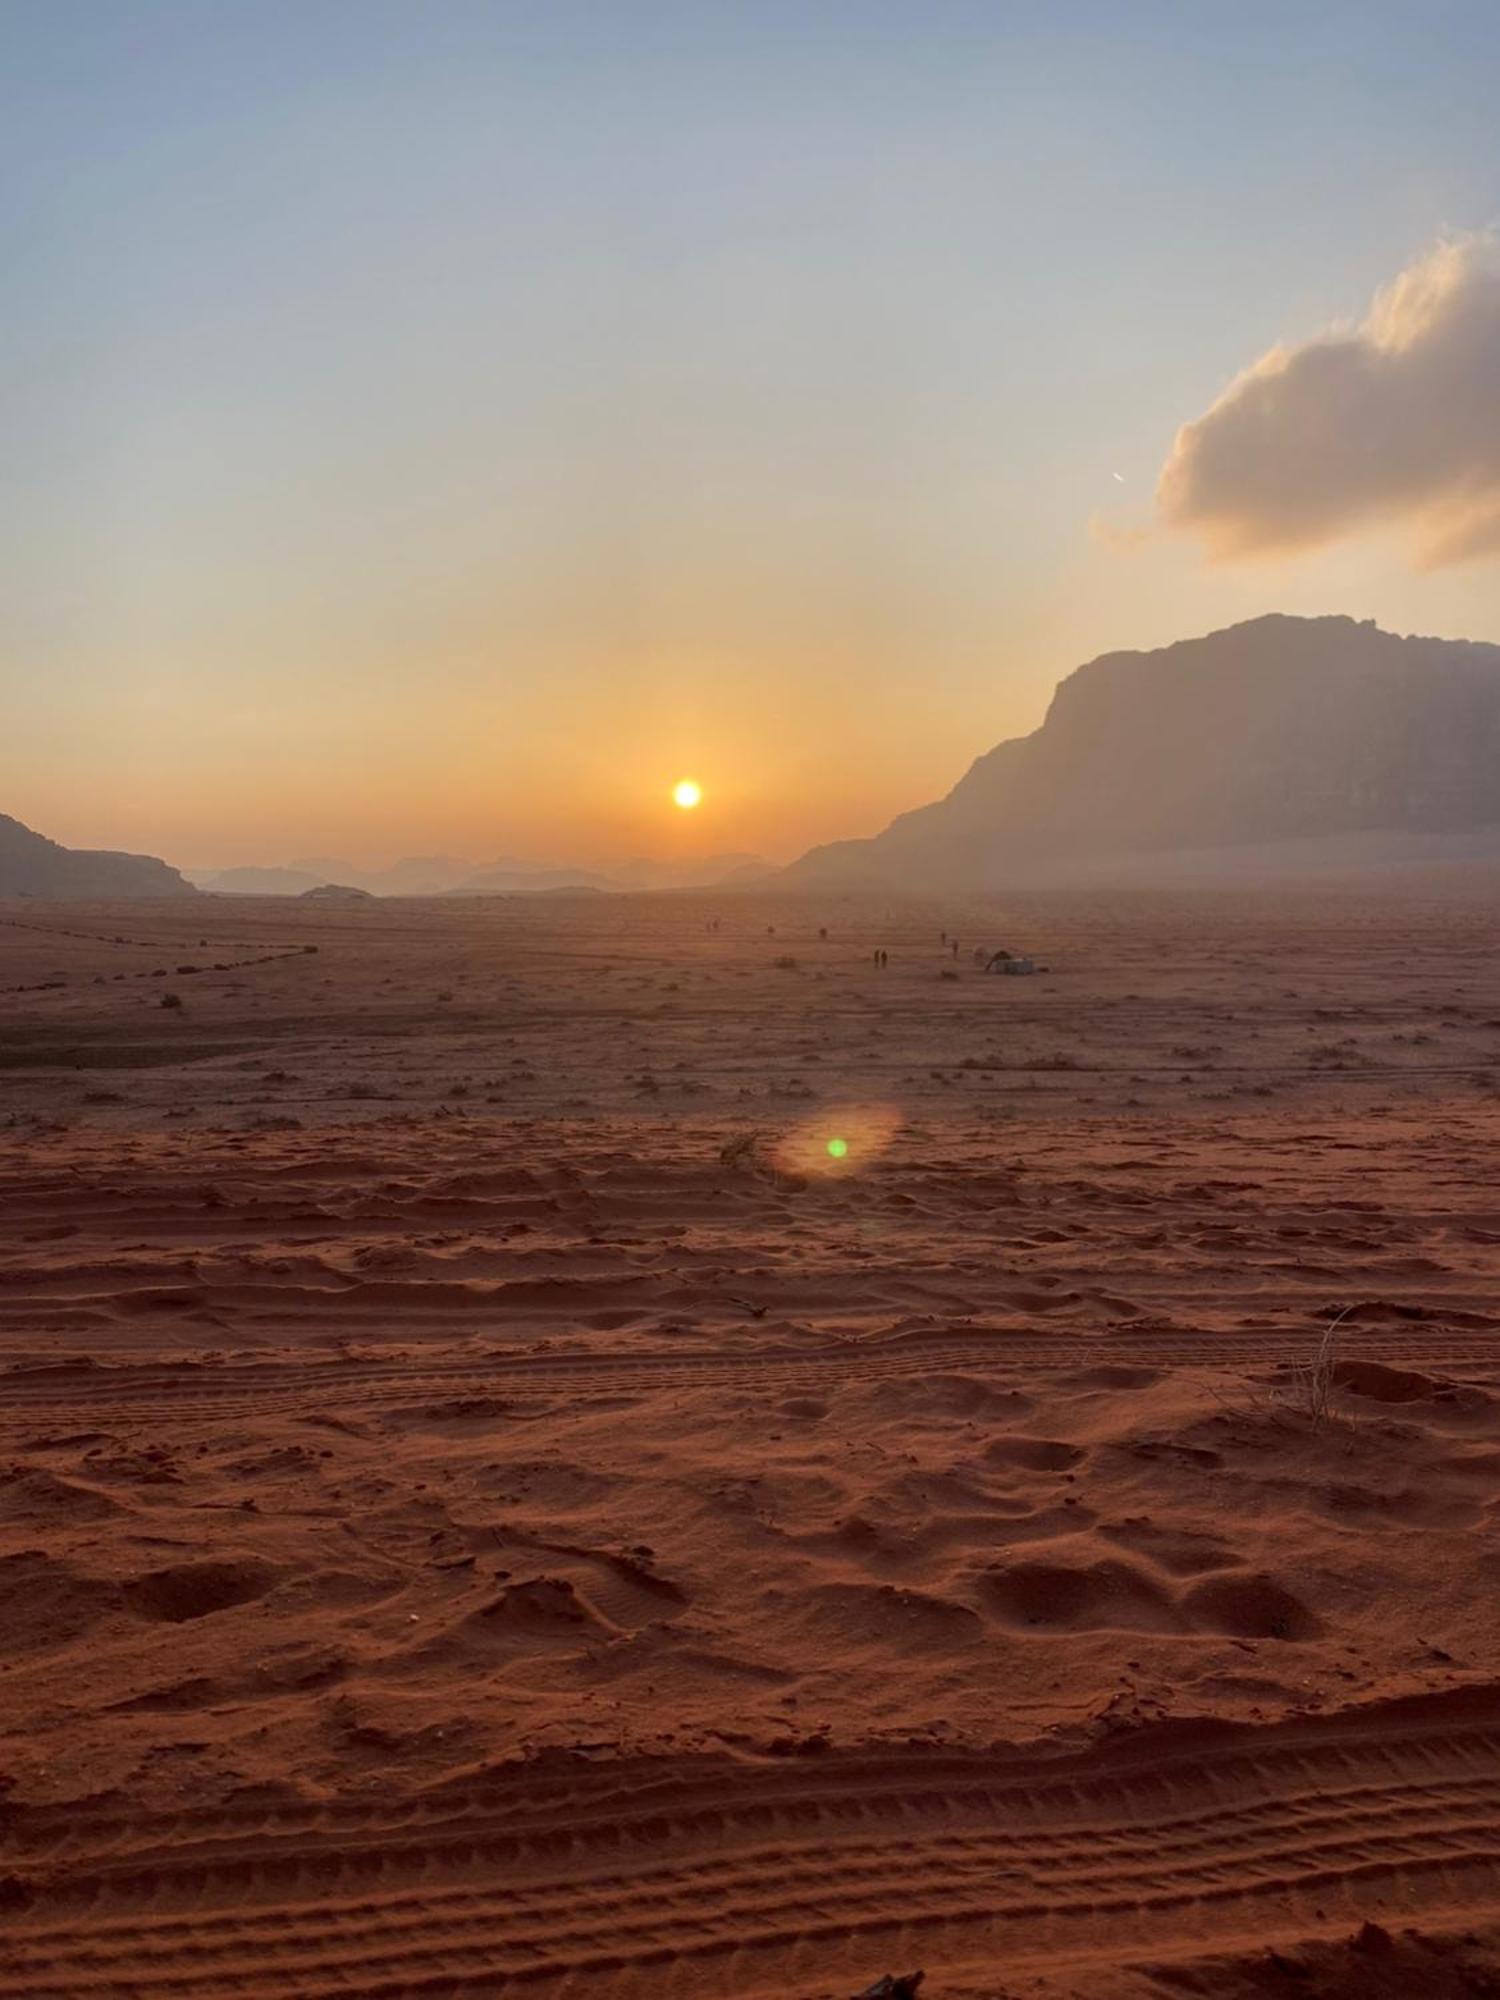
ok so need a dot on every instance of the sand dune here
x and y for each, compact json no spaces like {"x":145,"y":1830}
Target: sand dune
{"x":490,"y":1505}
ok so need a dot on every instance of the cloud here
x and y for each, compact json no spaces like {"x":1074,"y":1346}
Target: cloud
{"x":1396,"y":421}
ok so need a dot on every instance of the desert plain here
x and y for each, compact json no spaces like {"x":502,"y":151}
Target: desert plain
{"x":602,"y":1447}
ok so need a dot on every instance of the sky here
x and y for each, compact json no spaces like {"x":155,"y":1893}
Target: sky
{"x":440,"y":427}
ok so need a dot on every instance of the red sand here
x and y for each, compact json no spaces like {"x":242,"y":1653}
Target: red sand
{"x":488,"y":1506}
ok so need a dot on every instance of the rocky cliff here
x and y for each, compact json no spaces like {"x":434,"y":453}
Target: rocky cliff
{"x":1279,"y":731}
{"x":31,"y":865}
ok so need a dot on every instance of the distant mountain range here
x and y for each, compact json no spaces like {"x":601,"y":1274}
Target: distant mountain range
{"x":442,"y":875}
{"x":31,"y":865}
{"x":1279,"y":746}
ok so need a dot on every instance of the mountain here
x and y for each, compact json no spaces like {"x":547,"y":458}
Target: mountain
{"x":258,"y":881}
{"x":31,"y":865}
{"x":441,"y":875}
{"x":418,"y":875}
{"x":1288,"y":739}
{"x":706,"y":873}
{"x":506,"y":879}
{"x":415,"y":875}
{"x":643,"y":872}
{"x":336,"y":892}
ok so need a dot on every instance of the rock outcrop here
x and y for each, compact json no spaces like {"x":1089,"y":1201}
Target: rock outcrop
{"x":31,"y":865}
{"x":1280,"y":735}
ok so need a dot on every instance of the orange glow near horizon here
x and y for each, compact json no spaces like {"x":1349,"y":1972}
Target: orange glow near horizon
{"x":529,"y":415}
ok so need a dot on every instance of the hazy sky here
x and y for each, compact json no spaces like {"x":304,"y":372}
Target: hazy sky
{"x":439,"y":426}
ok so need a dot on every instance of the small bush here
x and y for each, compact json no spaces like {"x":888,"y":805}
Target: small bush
{"x":1310,"y":1389}
{"x":786,"y":963}
{"x":170,"y":1000}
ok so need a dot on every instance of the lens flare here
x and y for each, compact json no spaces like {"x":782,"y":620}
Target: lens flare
{"x":686,"y":794}
{"x":837,"y":1140}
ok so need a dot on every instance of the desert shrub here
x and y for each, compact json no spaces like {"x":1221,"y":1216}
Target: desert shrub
{"x":1309,"y":1389}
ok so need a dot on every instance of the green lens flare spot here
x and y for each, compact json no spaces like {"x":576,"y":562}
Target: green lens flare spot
{"x":837,"y":1148}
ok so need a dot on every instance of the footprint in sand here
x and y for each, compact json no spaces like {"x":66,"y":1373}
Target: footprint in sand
{"x":196,"y":1590}
{"x":1177,"y":1550}
{"x":1251,"y":1607}
{"x":1059,"y":1597}
{"x":1033,"y":1454}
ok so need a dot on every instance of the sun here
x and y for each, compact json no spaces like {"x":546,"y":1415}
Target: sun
{"x":686,"y":794}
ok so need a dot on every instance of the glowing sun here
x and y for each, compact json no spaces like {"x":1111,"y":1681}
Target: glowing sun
{"x":686,"y":794}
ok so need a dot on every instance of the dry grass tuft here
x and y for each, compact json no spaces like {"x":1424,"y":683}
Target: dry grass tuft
{"x":1309,"y":1387}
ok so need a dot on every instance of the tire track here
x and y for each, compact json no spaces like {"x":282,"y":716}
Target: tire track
{"x":148,"y":1394}
{"x":709,"y":1877}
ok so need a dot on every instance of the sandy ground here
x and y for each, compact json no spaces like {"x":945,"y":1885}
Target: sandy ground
{"x":490,"y":1505}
